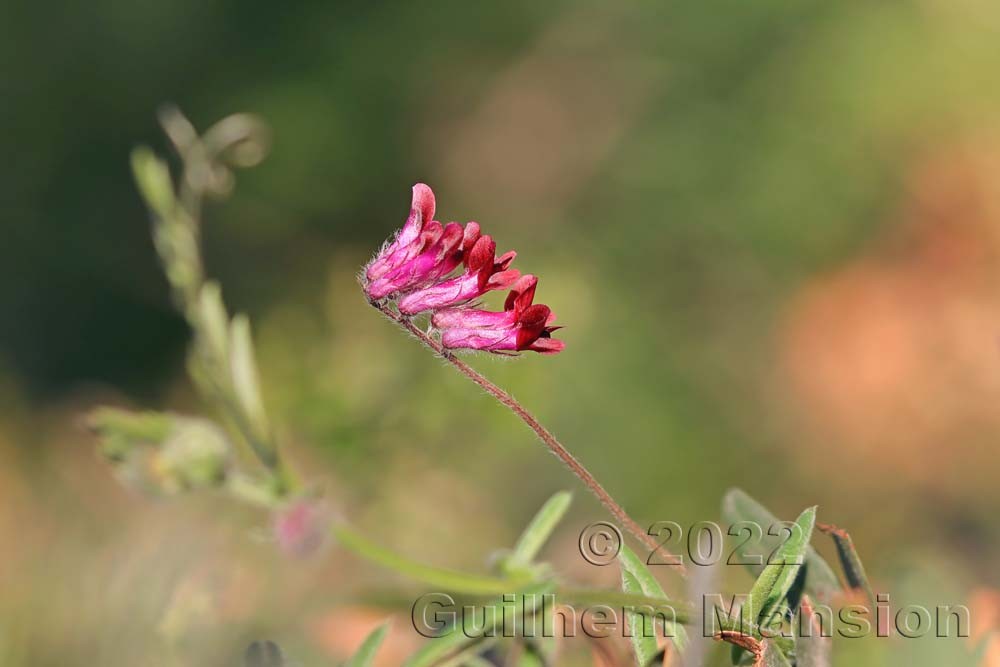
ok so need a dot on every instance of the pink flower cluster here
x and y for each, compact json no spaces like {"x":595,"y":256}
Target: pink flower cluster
{"x":414,"y":268}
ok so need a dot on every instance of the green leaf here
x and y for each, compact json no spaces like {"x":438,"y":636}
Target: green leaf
{"x":650,"y":587}
{"x":246,"y":383}
{"x":439,"y":577}
{"x":438,"y":649}
{"x":152,"y":176}
{"x":529,"y":659}
{"x":539,"y":529}
{"x":820,"y":580}
{"x":263,"y":654}
{"x":213,"y":325}
{"x":459,"y":643}
{"x":121,"y":431}
{"x":469,"y":661}
{"x":644,"y":645}
{"x":539,"y":651}
{"x":777,"y":578}
{"x":850,"y":561}
{"x":365,"y":655}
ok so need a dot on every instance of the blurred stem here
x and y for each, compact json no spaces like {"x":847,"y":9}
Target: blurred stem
{"x":207,"y":163}
{"x":472,"y":656}
{"x":637,"y":603}
{"x":543,"y":433}
{"x":445,"y":578}
{"x":475,"y":584}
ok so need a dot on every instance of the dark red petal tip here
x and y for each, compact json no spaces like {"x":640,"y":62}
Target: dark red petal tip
{"x":481,"y":254}
{"x":534,"y":316}
{"x":522,"y":293}
{"x":546,"y":345}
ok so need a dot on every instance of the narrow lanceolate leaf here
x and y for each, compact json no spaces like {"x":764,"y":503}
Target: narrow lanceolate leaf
{"x":538,"y":652}
{"x":439,"y":650}
{"x":540,"y":529}
{"x":650,"y":587}
{"x":776,"y":579}
{"x":473,"y":632}
{"x":263,"y":654}
{"x":643,"y":643}
{"x":246,"y":383}
{"x":854,"y":570}
{"x":740,"y":511}
{"x":213,"y":323}
{"x":439,"y":577}
{"x":153,"y":178}
{"x":365,"y":655}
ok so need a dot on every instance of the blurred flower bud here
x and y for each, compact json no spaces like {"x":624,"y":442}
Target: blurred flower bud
{"x":301,"y":526}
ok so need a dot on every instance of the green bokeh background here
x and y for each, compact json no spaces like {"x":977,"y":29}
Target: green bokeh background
{"x":679,"y":175}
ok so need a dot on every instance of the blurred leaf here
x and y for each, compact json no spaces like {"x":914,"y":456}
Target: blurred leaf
{"x":529,"y":659}
{"x":163,"y":452}
{"x":246,"y":383}
{"x":122,"y":430}
{"x":772,"y":656}
{"x":196,"y":454}
{"x":850,"y":561}
{"x":152,"y":176}
{"x":646,"y":584}
{"x":444,"y":578}
{"x":820,"y":580}
{"x":365,"y":655}
{"x":774,"y":582}
{"x":540,"y":529}
{"x":452,"y":644}
{"x":460,"y":642}
{"x":263,"y":654}
{"x":213,"y":323}
{"x":538,"y":651}
{"x":811,"y":648}
{"x":470,"y":661}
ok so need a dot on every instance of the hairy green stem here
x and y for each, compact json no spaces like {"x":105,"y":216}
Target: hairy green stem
{"x":445,"y":578}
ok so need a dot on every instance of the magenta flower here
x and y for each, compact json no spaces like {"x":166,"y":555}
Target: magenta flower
{"x":414,"y":268}
{"x":404,"y":247}
{"x":440,"y":252}
{"x":483,"y":272}
{"x":521,"y":325}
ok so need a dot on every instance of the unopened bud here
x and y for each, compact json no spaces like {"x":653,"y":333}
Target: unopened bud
{"x":300,"y":527}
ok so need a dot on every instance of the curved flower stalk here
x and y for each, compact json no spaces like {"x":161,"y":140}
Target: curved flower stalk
{"x":408,"y":276}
